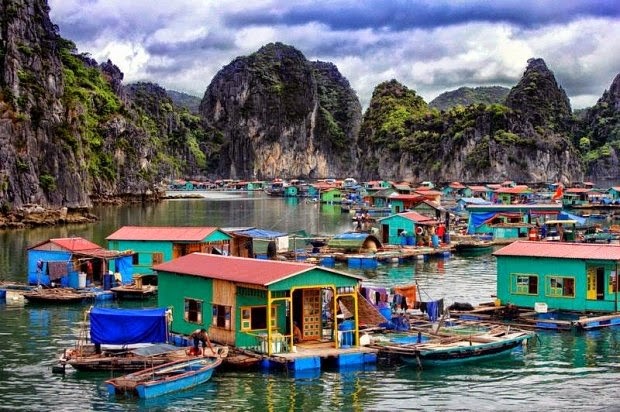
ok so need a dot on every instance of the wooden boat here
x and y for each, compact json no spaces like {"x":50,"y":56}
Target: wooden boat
{"x":458,"y":349}
{"x":166,"y":378}
{"x":474,"y":246}
{"x":58,"y":295}
{"x":87,"y":358}
{"x":134,"y":291}
{"x":121,"y":339}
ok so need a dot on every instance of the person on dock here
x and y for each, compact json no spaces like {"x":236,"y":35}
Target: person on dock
{"x":200,"y":335}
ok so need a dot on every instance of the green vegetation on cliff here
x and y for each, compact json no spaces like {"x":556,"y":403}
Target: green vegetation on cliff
{"x":92,"y":101}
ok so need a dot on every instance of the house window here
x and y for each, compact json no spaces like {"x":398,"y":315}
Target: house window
{"x":558,"y":286}
{"x":524,"y":284}
{"x":255,"y":318}
{"x":193,"y":311}
{"x":221,"y":316}
{"x":613,"y":283}
{"x":135,"y":259}
{"x":158,"y":258}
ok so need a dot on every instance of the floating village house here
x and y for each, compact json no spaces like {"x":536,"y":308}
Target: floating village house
{"x":405,"y":228}
{"x":151,"y":245}
{"x":75,"y":262}
{"x":508,"y":195}
{"x":580,"y":277}
{"x":257,"y":243}
{"x":508,"y":221}
{"x":252,"y":304}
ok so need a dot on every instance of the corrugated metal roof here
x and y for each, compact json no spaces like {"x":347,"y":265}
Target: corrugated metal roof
{"x":514,"y":190}
{"x":413,"y":216}
{"x":83,"y":247}
{"x":577,"y":190}
{"x":479,"y":188}
{"x":564,"y":250}
{"x":75,"y":244}
{"x":183,"y":234}
{"x":237,"y":269}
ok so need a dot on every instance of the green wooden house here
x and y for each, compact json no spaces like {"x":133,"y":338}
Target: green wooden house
{"x":564,"y":276}
{"x":402,"y":228}
{"x":152,"y":245}
{"x":252,"y":304}
{"x":331,"y":195}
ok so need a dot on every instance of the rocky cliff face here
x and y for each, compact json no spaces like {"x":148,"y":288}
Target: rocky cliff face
{"x":280,"y":115}
{"x":478,"y":143}
{"x":69,"y":134}
{"x":599,"y":136}
{"x":35,"y":165}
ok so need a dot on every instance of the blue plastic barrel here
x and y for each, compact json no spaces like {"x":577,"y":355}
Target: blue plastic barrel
{"x":74,"y":281}
{"x":2,"y":295}
{"x":346,"y":328}
{"x":435,"y":240}
{"x":329,"y":261}
{"x":410,"y":240}
{"x":107,"y":281}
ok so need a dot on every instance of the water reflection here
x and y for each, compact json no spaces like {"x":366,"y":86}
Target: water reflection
{"x":559,"y":371}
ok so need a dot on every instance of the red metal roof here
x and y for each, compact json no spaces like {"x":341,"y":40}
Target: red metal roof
{"x":237,"y":269}
{"x":183,"y":234}
{"x":479,"y":188}
{"x":564,"y":250}
{"x":515,"y":189}
{"x":83,"y":247}
{"x":428,"y":192}
{"x":75,"y":244}
{"x":406,"y":197}
{"x":416,"y":217}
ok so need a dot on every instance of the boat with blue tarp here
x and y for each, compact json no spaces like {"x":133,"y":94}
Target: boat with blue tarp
{"x":122,"y":340}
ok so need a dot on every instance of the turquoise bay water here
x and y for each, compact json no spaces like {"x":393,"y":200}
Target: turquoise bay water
{"x":558,"y":371}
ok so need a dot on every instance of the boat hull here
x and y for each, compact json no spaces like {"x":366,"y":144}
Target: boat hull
{"x":163,"y":379}
{"x":431,"y":355}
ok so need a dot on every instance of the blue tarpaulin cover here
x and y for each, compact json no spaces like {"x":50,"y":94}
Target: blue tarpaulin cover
{"x":128,"y":326}
{"x":569,"y":216}
{"x":261,"y":233}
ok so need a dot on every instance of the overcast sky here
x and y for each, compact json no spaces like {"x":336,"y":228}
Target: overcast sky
{"x":430,"y":46}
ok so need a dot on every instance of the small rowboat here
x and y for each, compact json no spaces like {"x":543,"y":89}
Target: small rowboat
{"x":459,"y":349}
{"x":169,"y":377}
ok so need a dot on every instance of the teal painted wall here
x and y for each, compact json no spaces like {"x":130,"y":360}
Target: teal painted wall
{"x":548,"y":267}
{"x":145,"y":250}
{"x":217,"y":236}
{"x":172,"y":291}
{"x":395,"y":225}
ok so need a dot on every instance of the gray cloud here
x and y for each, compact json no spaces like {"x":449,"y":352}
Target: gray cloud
{"x":403,"y":14}
{"x":430,"y":46}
